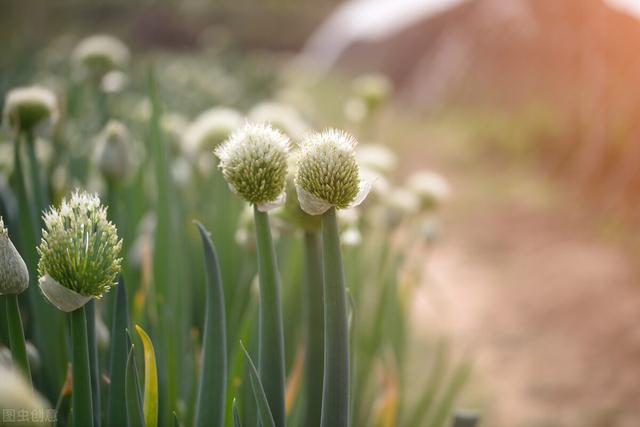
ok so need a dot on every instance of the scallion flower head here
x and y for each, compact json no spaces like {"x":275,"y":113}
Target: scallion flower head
{"x":373,"y":90}
{"x":79,"y":252}
{"x":14,"y":276}
{"x":431,"y":188}
{"x":328,"y":174}
{"x":211,"y":128}
{"x":96,"y":55}
{"x":27,"y":109}
{"x":377,"y":158}
{"x":254,"y":162}
{"x":282,"y":117}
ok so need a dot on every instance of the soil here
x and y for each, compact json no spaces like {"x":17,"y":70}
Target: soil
{"x":528,"y":282}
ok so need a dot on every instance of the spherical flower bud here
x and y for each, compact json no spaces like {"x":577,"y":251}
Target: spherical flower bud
{"x":29,"y":108}
{"x":328,"y":174}
{"x":431,"y":188}
{"x":211,"y":128}
{"x":377,"y":158}
{"x":96,"y":55}
{"x":79,"y":252}
{"x":282,"y":117}
{"x":113,"y":152}
{"x":254,"y":162}
{"x":14,"y":276}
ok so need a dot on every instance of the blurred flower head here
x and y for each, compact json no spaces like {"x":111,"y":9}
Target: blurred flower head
{"x":328,"y":173}
{"x":14,"y":276}
{"x":254,"y":162}
{"x":16,"y":394}
{"x":431,"y":188}
{"x":99,"y":54}
{"x":282,"y":117}
{"x":29,"y":108}
{"x":113,"y":152}
{"x":79,"y":252}
{"x":211,"y":128}
{"x":373,"y":90}
{"x":377,"y":158}
{"x":400,"y":204}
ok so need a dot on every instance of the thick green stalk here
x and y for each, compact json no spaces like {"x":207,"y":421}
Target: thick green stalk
{"x":36,"y":180}
{"x":213,"y":374}
{"x":314,"y":354}
{"x":16,"y":336}
{"x":271,"y":342}
{"x":117,"y":414}
{"x":335,"y":394}
{"x":81,"y":400}
{"x":40,"y":313}
{"x":90,"y":312}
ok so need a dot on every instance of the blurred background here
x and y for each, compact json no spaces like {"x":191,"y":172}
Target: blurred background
{"x":530,"y":108}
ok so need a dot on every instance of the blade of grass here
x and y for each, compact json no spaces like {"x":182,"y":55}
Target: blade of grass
{"x":164,"y":266}
{"x":133,"y":401}
{"x":431,"y":387}
{"x":335,"y":393}
{"x":271,"y":342}
{"x":213,"y":374}
{"x":314,"y":355}
{"x":266,"y":418}
{"x":117,"y":412}
{"x":150,"y":400}
{"x":81,"y":398}
{"x":236,"y":415}
{"x":443,"y":411}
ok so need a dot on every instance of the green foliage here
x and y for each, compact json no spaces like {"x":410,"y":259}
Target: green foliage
{"x":196,"y":313}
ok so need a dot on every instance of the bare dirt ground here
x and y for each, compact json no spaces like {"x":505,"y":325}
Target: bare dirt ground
{"x":525,"y":282}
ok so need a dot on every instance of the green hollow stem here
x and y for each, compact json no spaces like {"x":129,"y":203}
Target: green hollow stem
{"x":271,"y":341}
{"x":81,"y":398}
{"x":40,"y":313}
{"x":117,"y":412}
{"x":36,"y":179}
{"x":314,"y":354}
{"x":90,"y":313}
{"x":335,"y":393}
{"x":16,"y":336}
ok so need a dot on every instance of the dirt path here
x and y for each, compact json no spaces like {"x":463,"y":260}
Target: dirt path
{"x":525,"y":282}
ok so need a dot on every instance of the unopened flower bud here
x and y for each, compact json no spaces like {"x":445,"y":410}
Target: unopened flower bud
{"x":14,"y":276}
{"x":113,"y":152}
